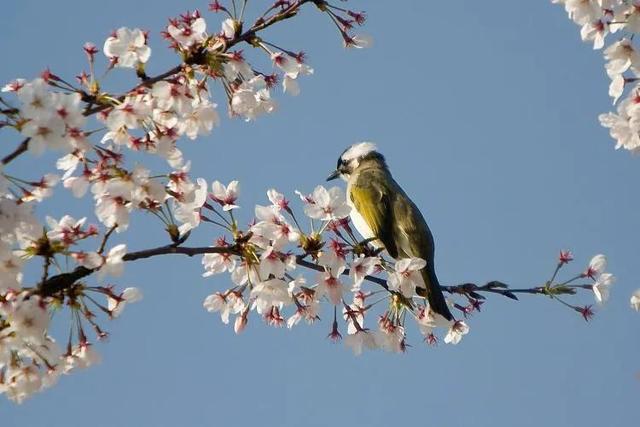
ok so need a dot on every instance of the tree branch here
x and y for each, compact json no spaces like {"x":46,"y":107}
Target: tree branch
{"x":244,"y":37}
{"x":24,"y":145}
{"x":64,"y":281}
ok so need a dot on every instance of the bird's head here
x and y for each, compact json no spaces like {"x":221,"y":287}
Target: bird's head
{"x":353,"y":157}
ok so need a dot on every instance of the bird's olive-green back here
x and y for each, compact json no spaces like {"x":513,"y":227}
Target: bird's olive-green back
{"x":392,"y":216}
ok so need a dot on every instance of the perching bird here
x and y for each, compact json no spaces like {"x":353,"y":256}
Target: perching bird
{"x":382,"y":211}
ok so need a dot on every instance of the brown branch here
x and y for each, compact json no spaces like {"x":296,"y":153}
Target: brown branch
{"x":64,"y":281}
{"x":24,"y":145}
{"x":147,"y":83}
{"x":287,"y":13}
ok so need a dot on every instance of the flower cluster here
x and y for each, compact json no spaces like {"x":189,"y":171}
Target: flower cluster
{"x":599,"y":19}
{"x":103,"y":140}
{"x":30,"y":359}
{"x":263,"y":262}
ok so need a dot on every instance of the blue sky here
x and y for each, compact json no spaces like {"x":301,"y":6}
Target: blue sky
{"x":487,"y":114}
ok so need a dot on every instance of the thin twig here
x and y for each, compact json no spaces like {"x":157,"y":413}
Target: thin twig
{"x":106,"y":237}
{"x":24,"y":145}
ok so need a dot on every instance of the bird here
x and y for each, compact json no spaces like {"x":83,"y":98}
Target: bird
{"x":385,"y":216}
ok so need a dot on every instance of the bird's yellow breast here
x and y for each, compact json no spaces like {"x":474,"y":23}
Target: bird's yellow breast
{"x":359,"y":222}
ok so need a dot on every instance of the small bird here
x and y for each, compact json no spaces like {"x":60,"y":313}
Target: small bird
{"x":383,"y":214}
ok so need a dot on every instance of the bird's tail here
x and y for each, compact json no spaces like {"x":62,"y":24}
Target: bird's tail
{"x":433,"y":293}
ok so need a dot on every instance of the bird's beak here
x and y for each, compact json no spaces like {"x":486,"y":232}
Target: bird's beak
{"x":334,"y":175}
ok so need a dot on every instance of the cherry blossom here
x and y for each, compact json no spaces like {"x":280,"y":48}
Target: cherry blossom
{"x":360,"y":268}
{"x":360,"y":41}
{"x":127,"y":47}
{"x":268,"y":294}
{"x":218,"y":263}
{"x":622,"y":128}
{"x":327,"y":205}
{"x":457,"y":330}
{"x":128,"y":296}
{"x":292,"y":67}
{"x":310,"y":313}
{"x":229,"y":27}
{"x":113,"y":264}
{"x":82,"y":356}
{"x":201,"y":120}
{"x":601,"y":288}
{"x":635,"y":300}
{"x":278,"y":201}
{"x":189,"y":31}
{"x":252,"y":99}
{"x":67,"y":230}
{"x":188,"y":209}
{"x":428,"y":321}
{"x":597,"y":265}
{"x":597,"y":19}
{"x":406,"y":276}
{"x":389,"y":336}
{"x":226,"y":196}
{"x":226,"y":304}
{"x":331,"y":286}
{"x":36,"y":99}
{"x":360,"y":341}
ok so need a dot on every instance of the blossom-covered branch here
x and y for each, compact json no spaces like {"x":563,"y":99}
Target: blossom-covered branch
{"x":375,"y":301}
{"x":96,"y":131}
{"x":63,"y":281}
{"x":600,"y":19}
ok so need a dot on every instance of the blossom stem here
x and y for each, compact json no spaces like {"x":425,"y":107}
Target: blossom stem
{"x":244,"y":5}
{"x":106,"y":237}
{"x":555,"y":272}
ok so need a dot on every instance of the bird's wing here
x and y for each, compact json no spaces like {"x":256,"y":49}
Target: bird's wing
{"x":373,"y":202}
{"x":412,"y":234}
{"x":414,"y":239}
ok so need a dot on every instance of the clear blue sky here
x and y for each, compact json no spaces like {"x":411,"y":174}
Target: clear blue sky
{"x":487,"y":113}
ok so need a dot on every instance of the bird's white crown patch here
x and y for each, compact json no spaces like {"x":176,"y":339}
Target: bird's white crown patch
{"x":358,"y":150}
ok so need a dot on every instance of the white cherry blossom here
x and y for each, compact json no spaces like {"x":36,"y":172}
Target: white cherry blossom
{"x":226,"y":304}
{"x":360,"y":341}
{"x":128,"y":296}
{"x":270,"y":293}
{"x":361,"y":267}
{"x":226,"y":196}
{"x":457,"y":330}
{"x":601,"y":288}
{"x":406,"y":276}
{"x":331,"y":287}
{"x":127,"y":47}
{"x":327,"y":205}
{"x":188,"y":33}
{"x":113,"y":264}
{"x":218,"y":263}
{"x":635,"y":300}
